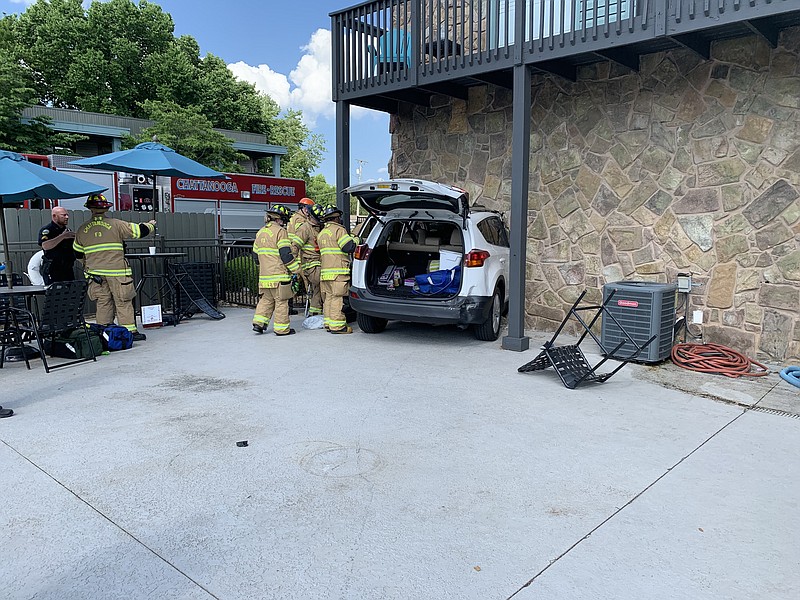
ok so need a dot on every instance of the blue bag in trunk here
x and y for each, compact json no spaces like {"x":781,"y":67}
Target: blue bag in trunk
{"x":444,"y":283}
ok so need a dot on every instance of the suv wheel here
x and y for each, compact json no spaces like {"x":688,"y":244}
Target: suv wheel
{"x":489,"y":330}
{"x":369,"y":324}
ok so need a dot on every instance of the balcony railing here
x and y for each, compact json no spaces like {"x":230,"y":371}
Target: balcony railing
{"x":394,"y":44}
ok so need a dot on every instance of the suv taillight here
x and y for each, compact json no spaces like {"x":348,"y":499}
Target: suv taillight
{"x":362,"y":252}
{"x":475,"y":258}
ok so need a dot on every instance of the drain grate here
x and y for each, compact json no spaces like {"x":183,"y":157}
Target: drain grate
{"x":775,"y":411}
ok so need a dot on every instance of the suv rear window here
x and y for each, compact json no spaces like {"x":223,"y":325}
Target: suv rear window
{"x":386,"y":201}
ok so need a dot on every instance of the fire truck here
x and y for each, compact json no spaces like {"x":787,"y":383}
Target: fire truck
{"x":238,"y":202}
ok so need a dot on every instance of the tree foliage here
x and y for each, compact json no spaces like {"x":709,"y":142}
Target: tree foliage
{"x":320,"y":190}
{"x":16,"y":93}
{"x":188,"y":132}
{"x":122,"y":57}
{"x":304,"y":149}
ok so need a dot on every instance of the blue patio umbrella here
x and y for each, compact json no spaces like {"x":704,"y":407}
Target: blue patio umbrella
{"x":21,"y":180}
{"x":150,"y":158}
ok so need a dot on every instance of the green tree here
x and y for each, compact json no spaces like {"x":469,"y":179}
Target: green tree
{"x":320,"y":190}
{"x":120,"y":57}
{"x":228,"y":102}
{"x":190,"y":133}
{"x":16,"y":93}
{"x":304,"y":149}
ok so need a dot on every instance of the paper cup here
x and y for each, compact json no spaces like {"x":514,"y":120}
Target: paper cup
{"x":152,"y":249}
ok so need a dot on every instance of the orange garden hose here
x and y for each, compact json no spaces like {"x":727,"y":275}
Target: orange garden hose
{"x":714,"y":358}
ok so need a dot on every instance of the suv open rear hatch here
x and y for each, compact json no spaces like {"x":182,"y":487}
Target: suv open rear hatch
{"x":378,"y":198}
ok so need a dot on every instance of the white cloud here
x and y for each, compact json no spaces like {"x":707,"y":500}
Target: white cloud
{"x":26,"y":2}
{"x":308,"y":85}
{"x":274,"y":84}
{"x":312,"y":79}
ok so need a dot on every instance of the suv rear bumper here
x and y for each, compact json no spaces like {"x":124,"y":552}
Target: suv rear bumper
{"x":469,"y":310}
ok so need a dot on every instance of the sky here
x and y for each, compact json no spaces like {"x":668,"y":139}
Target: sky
{"x":284,"y":48}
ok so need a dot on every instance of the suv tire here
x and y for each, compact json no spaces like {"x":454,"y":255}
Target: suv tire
{"x":370,"y":324}
{"x":489,"y":330}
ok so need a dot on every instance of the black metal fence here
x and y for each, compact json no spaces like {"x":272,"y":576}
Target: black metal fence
{"x":233,"y":264}
{"x":234,"y":267}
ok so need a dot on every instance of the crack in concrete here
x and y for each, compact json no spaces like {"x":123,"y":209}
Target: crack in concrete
{"x":746,"y":409}
{"x":110,"y":520}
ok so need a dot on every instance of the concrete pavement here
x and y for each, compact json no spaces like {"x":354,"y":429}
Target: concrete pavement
{"x":413,"y":464}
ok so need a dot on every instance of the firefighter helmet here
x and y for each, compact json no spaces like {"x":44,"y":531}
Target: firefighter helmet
{"x":331,"y":212}
{"x":279,"y":211}
{"x":97,"y":201}
{"x":307,"y":201}
{"x":315,"y":210}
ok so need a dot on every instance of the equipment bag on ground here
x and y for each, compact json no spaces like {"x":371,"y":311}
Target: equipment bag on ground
{"x":74,"y":345}
{"x":119,"y":338}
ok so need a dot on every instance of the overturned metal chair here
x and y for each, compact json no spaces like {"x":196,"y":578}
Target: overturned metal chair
{"x":569,"y":361}
{"x":193,"y":283}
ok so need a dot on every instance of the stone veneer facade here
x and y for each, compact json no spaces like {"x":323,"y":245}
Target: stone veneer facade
{"x":686,"y":165}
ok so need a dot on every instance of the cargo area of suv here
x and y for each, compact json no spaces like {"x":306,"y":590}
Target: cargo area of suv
{"x":406,"y":249}
{"x":426,"y":256}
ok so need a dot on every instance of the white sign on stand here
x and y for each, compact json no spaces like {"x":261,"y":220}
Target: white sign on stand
{"x":151,"y":315}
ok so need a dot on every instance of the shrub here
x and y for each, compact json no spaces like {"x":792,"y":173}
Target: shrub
{"x":242,"y":272}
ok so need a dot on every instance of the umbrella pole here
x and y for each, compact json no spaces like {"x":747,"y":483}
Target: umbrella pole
{"x":155,"y":178}
{"x":6,"y":252}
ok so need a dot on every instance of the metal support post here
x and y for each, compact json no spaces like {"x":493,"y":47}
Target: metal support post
{"x":343,"y":160}
{"x":520,"y":168}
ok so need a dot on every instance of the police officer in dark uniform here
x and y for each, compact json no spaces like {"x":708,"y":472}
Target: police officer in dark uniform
{"x":56,"y":241}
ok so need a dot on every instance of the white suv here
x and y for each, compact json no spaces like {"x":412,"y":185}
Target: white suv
{"x":415,"y":228}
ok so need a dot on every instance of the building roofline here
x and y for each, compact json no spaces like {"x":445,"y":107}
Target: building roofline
{"x":115,"y":126}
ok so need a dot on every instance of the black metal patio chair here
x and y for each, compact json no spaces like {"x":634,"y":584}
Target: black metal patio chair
{"x":61,"y":311}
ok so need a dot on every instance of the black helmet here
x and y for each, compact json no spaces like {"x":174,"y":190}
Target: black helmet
{"x":331,"y":212}
{"x":316,"y":211}
{"x":97,"y":201}
{"x":280,"y":211}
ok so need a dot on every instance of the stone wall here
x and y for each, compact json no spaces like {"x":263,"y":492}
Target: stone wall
{"x":686,"y":165}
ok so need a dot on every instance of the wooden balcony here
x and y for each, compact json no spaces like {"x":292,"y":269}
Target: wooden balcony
{"x":391,"y":51}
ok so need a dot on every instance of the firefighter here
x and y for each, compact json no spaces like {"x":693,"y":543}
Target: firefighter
{"x":335,"y":247}
{"x":304,"y":245}
{"x":276,"y":263}
{"x":299,"y":216}
{"x":99,"y":243}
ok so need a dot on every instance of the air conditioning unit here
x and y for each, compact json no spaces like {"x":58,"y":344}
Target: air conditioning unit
{"x":642,"y":309}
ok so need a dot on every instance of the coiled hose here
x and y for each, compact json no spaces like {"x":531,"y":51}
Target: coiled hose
{"x":791,"y":375}
{"x":715,"y":358}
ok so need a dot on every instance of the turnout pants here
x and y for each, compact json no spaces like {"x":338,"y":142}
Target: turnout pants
{"x":270,"y":305}
{"x":312,"y":283}
{"x":114,"y":296}
{"x":333,"y":294}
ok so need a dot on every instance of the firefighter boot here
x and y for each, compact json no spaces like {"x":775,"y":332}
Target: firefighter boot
{"x":345,"y":329}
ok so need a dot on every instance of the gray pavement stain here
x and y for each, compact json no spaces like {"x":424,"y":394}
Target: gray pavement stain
{"x":197,"y":384}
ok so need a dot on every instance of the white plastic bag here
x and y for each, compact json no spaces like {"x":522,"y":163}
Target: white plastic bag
{"x":314,"y":322}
